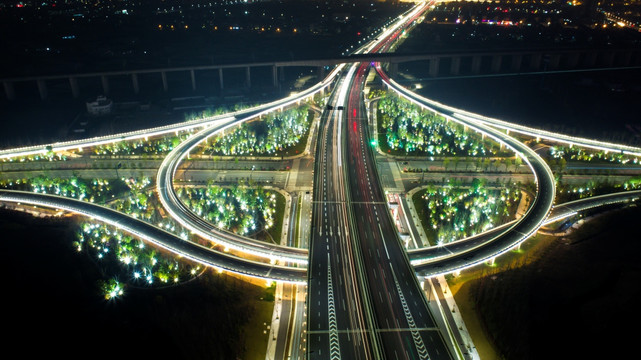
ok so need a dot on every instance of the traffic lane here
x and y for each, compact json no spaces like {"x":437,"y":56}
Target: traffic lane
{"x":390,"y":292}
{"x":326,"y":243}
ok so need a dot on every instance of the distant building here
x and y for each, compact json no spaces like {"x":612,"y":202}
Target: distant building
{"x":101,"y":106}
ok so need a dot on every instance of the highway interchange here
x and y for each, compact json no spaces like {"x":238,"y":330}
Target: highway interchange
{"x":364,"y":299}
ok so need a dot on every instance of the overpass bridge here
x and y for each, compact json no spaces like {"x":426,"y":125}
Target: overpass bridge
{"x":439,"y":63}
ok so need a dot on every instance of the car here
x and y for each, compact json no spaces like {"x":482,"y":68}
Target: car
{"x":340,"y":108}
{"x":329,"y":107}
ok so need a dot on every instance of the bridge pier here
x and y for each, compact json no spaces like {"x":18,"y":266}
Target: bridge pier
{"x":42,"y":89}
{"x":105,"y":84}
{"x":275,"y":75}
{"x":433,"y":72}
{"x":9,"y":91}
{"x":163,"y":76}
{"x":491,"y":261}
{"x":134,"y":82}
{"x":625,"y":58}
{"x":220,"y":78}
{"x":455,"y":66}
{"x":573,"y":60}
{"x":496,"y":63}
{"x":476,"y":64}
{"x":608,"y":58}
{"x":636,"y":60}
{"x":590,"y":59}
{"x":73,"y":83}
{"x":193,"y":80}
{"x":535,"y":61}
{"x":517,"y":59}
{"x":248,"y":79}
{"x":393,"y":69}
{"x":554,"y":62}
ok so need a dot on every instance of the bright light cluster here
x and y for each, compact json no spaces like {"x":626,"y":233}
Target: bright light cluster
{"x":276,"y":132}
{"x":112,"y":289}
{"x":456,"y":212}
{"x":94,"y":190}
{"x":140,"y":263}
{"x":240,"y":209}
{"x":581,"y":154}
{"x":411,"y":129}
{"x":156,"y":146}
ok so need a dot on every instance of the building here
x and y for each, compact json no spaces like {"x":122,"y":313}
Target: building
{"x":101,"y":106}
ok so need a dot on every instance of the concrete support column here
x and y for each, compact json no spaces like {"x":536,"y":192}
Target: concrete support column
{"x":248,"y":79}
{"x":165,"y":85}
{"x":455,"y":66}
{"x":554,"y":62}
{"x":105,"y":84}
{"x":42,"y":89}
{"x":590,"y":59}
{"x":517,"y":59}
{"x":220,"y":78}
{"x":608,"y":59}
{"x":496,"y":63}
{"x":636,"y":59}
{"x":75,"y":91}
{"x":434,"y":67}
{"x":476,"y":64}
{"x":535,"y":61}
{"x":393,"y":69}
{"x":275,"y":75}
{"x":573,"y":60}
{"x":8,"y":90}
{"x":625,"y":58}
{"x":134,"y":82}
{"x":193,"y":79}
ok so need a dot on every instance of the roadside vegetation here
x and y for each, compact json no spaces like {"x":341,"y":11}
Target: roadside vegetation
{"x":273,"y":135}
{"x":406,"y":129}
{"x":450,"y":213}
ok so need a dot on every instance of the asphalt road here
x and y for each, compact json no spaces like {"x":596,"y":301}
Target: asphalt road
{"x":403,"y":325}
{"x":336,"y":323}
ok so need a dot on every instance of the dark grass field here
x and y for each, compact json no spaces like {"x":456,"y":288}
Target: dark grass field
{"x":579,"y":300}
{"x":53,"y":308}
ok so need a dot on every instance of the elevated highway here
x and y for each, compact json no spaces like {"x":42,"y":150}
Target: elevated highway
{"x":513,"y":235}
{"x":160,"y":237}
{"x":559,"y":212}
{"x":191,"y":221}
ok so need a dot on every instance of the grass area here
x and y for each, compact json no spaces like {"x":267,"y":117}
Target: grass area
{"x":571,"y":294}
{"x":421,"y":210}
{"x":299,"y":148}
{"x":297,"y":220}
{"x":382,"y":140}
{"x":460,"y":287}
{"x":275,"y":232}
{"x":255,"y":339}
{"x":54,"y":284}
